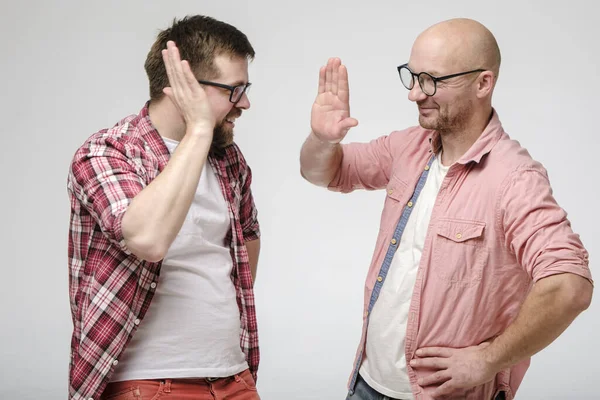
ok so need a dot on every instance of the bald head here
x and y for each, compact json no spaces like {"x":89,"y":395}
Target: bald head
{"x":459,"y":44}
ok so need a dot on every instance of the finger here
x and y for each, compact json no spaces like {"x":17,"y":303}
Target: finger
{"x":446,"y":389}
{"x":334,"y":75}
{"x":189,"y":75}
{"x":328,"y":76}
{"x":168,"y":92}
{"x":436,"y":378}
{"x":343,"y":90}
{"x":175,"y":59}
{"x":430,"y":362}
{"x":435,"y":352}
{"x":171,"y":61}
{"x":322,"y":71}
{"x":168,"y":66}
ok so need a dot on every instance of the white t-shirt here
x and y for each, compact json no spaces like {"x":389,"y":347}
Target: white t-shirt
{"x":384,"y":363}
{"x":192,"y":328}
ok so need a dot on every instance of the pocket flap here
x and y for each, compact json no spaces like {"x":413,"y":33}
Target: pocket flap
{"x":460,"y":230}
{"x":395,"y":188}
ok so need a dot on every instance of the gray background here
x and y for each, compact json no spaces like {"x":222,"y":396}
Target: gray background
{"x":71,"y":68}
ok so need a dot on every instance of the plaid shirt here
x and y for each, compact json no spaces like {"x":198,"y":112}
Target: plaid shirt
{"x":110,"y":288}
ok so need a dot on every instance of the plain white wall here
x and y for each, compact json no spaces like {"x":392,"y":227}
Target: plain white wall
{"x":70,"y":68}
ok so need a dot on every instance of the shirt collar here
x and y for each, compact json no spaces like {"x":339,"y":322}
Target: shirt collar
{"x":482,"y":146}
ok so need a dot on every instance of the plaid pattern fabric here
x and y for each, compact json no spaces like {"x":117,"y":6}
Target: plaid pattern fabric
{"x":110,"y":289}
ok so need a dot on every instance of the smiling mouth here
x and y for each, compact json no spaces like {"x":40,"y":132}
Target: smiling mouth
{"x":232,"y":119}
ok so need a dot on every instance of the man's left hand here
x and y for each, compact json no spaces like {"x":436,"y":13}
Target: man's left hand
{"x":456,"y":369}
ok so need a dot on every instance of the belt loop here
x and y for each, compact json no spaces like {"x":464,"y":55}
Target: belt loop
{"x":167,"y":387}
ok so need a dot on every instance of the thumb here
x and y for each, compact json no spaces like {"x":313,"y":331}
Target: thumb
{"x":168,"y":91}
{"x":348,"y":123}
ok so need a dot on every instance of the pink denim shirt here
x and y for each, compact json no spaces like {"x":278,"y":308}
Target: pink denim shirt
{"x":494,"y":231}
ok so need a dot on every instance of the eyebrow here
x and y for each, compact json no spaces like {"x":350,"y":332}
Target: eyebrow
{"x":431,"y":72}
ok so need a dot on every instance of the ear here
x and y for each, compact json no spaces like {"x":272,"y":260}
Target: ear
{"x":485,"y":84}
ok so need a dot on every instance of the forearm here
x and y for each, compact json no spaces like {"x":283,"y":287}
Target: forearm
{"x":253,"y":248}
{"x":156,"y":214}
{"x":319,"y":160}
{"x":549,"y":309}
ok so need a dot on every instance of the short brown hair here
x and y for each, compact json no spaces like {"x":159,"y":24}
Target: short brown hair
{"x":199,"y":39}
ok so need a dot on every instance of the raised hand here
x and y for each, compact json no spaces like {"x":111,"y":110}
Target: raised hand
{"x":186,"y":93}
{"x":330,"y":116}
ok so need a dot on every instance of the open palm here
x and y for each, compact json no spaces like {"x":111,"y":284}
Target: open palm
{"x":330,"y":117}
{"x":186,"y":93}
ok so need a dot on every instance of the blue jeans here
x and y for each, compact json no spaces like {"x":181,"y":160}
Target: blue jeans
{"x":362,"y":391}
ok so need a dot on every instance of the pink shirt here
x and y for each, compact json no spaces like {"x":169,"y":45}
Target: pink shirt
{"x":495,"y":230}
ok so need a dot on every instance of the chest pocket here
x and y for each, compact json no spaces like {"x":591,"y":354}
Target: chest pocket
{"x":459,"y":251}
{"x":392,"y":208}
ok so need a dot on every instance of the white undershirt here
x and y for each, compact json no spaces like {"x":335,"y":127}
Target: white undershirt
{"x":384,"y":363}
{"x":192,"y":328}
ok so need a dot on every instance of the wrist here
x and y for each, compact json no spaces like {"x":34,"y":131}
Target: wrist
{"x":201,"y":130}
{"x":493,"y":358}
{"x":197,"y":138}
{"x":322,"y":142}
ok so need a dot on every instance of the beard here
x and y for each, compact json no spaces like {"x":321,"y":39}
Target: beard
{"x":447,"y":120}
{"x":223,"y":135}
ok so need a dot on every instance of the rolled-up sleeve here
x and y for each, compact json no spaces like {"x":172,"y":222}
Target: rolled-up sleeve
{"x":364,"y":166}
{"x":536,"y":228}
{"x":105,"y":180}
{"x":248,"y":211}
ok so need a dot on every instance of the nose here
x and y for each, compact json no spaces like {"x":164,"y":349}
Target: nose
{"x":416,"y":94}
{"x":244,"y":102}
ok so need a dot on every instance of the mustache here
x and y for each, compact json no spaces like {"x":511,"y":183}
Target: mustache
{"x":234,"y":114}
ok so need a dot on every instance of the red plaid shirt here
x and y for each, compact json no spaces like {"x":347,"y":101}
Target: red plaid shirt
{"x":110,"y":288}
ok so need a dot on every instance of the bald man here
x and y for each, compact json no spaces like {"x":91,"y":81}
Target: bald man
{"x":476,"y":267}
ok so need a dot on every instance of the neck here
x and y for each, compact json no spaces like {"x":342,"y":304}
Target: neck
{"x":456,"y":142}
{"x":166,"y":119}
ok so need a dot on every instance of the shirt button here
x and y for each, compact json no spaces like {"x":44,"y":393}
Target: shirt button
{"x":115,"y":362}
{"x":153,"y":285}
{"x":427,"y":168}
{"x":390,"y":191}
{"x":410,"y":204}
{"x":379,"y":279}
{"x":137,"y":321}
{"x":393,"y":241}
{"x":458,"y":235}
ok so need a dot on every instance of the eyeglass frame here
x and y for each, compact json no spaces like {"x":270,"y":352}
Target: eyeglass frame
{"x":433,"y":78}
{"x":228,"y":87}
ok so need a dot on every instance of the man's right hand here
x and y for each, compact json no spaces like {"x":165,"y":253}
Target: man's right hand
{"x":186,"y":93}
{"x":330,"y":117}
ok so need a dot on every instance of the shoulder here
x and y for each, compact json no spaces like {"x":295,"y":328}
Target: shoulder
{"x":510,"y":159}
{"x":123,"y":140}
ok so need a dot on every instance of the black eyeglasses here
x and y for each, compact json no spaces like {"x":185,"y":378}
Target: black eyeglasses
{"x":236,"y":91}
{"x":427,"y":81}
